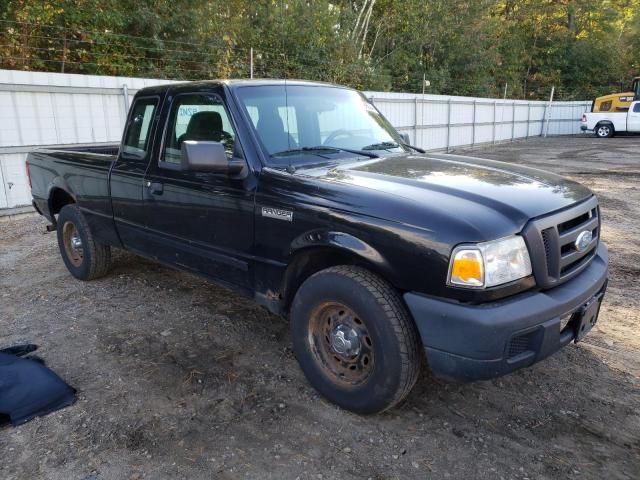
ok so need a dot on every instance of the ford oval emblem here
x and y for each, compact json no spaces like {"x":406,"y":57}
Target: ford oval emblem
{"x":583,"y":241}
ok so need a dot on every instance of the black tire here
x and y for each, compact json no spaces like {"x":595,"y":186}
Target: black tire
{"x":88,"y":259}
{"x":385,"y":331}
{"x":604,"y":130}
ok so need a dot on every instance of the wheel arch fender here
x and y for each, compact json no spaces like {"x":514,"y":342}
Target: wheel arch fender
{"x":59,"y":195}
{"x":607,"y":123}
{"x":319,"y":249}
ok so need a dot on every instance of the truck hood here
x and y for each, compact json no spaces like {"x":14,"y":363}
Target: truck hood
{"x":517,"y":192}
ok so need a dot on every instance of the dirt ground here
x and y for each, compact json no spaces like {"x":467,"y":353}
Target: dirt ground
{"x":178,"y":378}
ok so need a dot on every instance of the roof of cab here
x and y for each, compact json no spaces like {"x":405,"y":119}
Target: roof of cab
{"x":203,"y":84}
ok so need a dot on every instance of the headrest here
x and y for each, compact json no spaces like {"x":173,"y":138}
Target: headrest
{"x":204,"y":123}
{"x":270,"y":120}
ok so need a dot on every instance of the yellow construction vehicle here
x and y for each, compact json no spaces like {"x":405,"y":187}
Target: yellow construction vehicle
{"x":617,"y":102}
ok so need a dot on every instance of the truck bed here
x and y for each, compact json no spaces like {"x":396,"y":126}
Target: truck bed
{"x":617,"y":119}
{"x":100,"y":149}
{"x":82,"y":172}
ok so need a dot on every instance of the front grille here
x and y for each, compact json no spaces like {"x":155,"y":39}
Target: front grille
{"x":546,"y":239}
{"x":551,"y":241}
{"x":574,"y":222}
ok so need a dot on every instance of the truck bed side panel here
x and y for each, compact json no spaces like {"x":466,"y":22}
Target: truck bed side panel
{"x":82,"y":174}
{"x":619,"y":120}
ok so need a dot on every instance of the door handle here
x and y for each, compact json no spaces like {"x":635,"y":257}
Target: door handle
{"x":155,"y":188}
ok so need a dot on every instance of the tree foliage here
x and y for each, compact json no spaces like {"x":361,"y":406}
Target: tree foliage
{"x":583,"y":47}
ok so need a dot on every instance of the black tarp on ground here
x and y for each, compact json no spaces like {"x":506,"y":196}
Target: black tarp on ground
{"x":28,"y":388}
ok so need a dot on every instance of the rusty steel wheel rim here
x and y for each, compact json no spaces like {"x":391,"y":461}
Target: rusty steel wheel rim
{"x":341,"y":344}
{"x":72,"y":244}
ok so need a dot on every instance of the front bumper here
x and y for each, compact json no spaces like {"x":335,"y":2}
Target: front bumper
{"x":477,"y":342}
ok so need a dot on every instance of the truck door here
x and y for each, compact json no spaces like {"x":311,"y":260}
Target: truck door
{"x":633,"y":117}
{"x":199,"y":220}
{"x":127,"y":174}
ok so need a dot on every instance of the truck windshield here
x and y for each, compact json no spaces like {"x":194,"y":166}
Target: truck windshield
{"x":297,"y":124}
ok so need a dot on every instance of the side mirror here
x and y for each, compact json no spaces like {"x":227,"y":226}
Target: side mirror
{"x":405,"y":138}
{"x":206,"y":156}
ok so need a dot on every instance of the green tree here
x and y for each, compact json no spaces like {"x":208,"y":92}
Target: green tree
{"x":583,"y":47}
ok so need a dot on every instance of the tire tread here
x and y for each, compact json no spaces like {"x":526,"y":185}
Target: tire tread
{"x":99,"y":254}
{"x":398,"y":316}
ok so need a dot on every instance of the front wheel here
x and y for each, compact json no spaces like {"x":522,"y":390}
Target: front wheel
{"x":83,"y":256}
{"x":604,"y":131}
{"x":354,"y":339}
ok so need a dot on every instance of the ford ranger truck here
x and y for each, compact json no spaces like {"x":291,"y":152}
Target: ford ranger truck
{"x":301,"y":196}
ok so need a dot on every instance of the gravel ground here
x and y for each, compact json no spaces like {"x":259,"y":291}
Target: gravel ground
{"x":178,"y":378}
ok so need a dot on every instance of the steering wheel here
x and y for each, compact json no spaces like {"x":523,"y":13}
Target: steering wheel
{"x":338,"y":133}
{"x":225,"y":136}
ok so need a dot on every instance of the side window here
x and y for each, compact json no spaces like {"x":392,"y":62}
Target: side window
{"x":197,"y":117}
{"x":636,"y":108}
{"x":136,"y":139}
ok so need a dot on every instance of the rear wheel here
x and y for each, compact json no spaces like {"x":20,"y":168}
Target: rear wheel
{"x":85,"y":258}
{"x":604,"y":130}
{"x":354,"y":339}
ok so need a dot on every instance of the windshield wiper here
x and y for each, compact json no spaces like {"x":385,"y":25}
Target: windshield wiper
{"x":417,"y":149}
{"x":386,"y":145}
{"x":381,"y":146}
{"x":324,"y":148}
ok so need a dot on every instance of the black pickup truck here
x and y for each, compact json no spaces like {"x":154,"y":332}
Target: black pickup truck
{"x":301,"y":196}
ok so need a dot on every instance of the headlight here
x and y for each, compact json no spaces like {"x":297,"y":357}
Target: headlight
{"x":488,"y":264}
